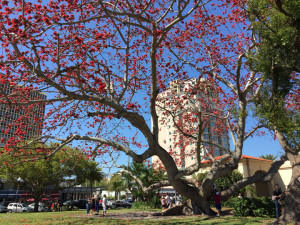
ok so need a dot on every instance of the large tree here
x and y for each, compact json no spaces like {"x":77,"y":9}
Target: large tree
{"x":103,"y":65}
{"x":277,"y":25}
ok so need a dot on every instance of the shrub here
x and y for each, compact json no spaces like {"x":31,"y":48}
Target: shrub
{"x":229,"y":202}
{"x":154,"y":203}
{"x":261,"y":207}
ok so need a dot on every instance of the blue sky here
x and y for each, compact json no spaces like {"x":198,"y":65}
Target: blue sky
{"x":262,"y":145}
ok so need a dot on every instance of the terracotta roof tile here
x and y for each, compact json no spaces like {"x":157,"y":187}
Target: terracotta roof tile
{"x":243,"y":157}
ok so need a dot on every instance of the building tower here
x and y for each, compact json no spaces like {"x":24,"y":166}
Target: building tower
{"x":180,"y":108}
{"x":20,"y":122}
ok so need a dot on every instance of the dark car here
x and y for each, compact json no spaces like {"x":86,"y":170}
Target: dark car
{"x":3,"y":208}
{"x":68,"y":204}
{"x":127,"y":204}
{"x":81,"y":204}
{"x":4,"y":205}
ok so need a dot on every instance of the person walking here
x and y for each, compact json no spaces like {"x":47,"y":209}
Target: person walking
{"x":104,"y":205}
{"x":97,"y":206}
{"x":276,"y":196}
{"x":92,"y":205}
{"x":168,"y":200}
{"x":217,"y":200}
{"x":88,"y":206}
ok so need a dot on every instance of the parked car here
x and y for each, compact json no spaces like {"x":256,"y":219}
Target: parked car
{"x":122,"y":203}
{"x":110,"y":204}
{"x":127,"y":204}
{"x":118,"y":203}
{"x":6,"y":203}
{"x":130,"y":200}
{"x":17,"y":207}
{"x":82,"y":204}
{"x":3,"y":208}
{"x":41,"y":207}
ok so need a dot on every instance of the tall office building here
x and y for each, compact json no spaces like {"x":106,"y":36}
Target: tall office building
{"x":183,"y":103}
{"x":20,"y":122}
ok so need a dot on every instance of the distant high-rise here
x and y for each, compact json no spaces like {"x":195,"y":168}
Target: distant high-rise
{"x":182,"y":102}
{"x":20,"y":122}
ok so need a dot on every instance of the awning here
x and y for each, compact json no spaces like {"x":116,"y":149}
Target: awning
{"x":10,"y":194}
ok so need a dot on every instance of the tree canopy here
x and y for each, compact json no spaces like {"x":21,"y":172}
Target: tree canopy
{"x":38,"y":175}
{"x":276,"y":25}
{"x":105,"y":66}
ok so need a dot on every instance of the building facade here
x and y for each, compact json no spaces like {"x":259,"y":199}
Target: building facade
{"x":20,"y":122}
{"x":249,"y":166}
{"x":181,"y":108}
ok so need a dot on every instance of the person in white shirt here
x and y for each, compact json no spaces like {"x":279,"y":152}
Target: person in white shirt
{"x":104,"y":203}
{"x":168,"y":200}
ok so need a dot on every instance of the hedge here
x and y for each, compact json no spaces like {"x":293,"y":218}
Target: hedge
{"x":260,"y":207}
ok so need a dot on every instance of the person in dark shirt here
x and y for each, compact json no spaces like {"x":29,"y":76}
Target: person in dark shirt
{"x":276,"y":196}
{"x":217,"y":200}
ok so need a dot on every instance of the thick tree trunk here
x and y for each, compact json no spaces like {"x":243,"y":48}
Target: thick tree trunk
{"x":198,"y":197}
{"x":91,"y":189}
{"x":202,"y":207}
{"x":199,"y":202}
{"x":37,"y":199}
{"x":291,"y":200}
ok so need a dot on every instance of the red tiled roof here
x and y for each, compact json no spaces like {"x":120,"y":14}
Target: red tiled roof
{"x":243,"y":157}
{"x":251,"y":157}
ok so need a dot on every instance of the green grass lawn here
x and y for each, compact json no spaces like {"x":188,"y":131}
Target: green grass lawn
{"x":80,"y":218}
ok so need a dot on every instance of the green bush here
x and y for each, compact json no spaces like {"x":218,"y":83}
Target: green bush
{"x":260,"y":207}
{"x":144,"y":205}
{"x":229,"y":203}
{"x":152,"y":204}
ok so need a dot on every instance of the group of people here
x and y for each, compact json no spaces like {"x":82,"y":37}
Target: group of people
{"x":167,"y":201}
{"x":55,"y":206}
{"x":93,"y":205}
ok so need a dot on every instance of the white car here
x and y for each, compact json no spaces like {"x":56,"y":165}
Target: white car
{"x":17,"y":207}
{"x":41,"y":207}
{"x":110,"y":204}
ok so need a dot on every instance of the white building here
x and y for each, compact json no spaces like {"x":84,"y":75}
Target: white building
{"x":179,"y":109}
{"x":13,"y":118}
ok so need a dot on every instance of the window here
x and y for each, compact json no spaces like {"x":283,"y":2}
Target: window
{"x":205,"y":137}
